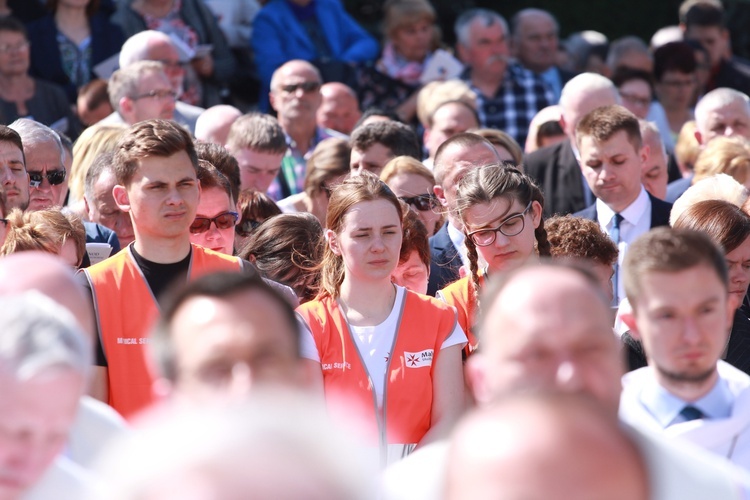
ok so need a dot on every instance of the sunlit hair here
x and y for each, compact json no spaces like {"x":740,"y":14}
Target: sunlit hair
{"x":484,"y":184}
{"x":724,"y":222}
{"x":357,"y":189}
{"x":724,"y":155}
{"x":92,"y":142}
{"x":329,"y":160}
{"x":718,"y":187}
{"x":288,"y":248}
{"x":44,"y":230}
{"x":401,"y":13}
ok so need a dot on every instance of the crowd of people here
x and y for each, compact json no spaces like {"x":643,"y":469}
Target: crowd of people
{"x":247,"y":249}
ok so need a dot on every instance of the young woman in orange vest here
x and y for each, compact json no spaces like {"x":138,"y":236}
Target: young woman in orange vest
{"x":387,"y":357}
{"x":501,"y":210}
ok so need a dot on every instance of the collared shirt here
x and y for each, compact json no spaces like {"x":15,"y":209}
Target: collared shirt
{"x":291,"y":178}
{"x":552,"y":78}
{"x":520,"y":96}
{"x":666,"y":407}
{"x":636,"y":220}
{"x":457,"y":238}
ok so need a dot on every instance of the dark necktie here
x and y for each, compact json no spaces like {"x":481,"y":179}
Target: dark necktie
{"x":691,"y":413}
{"x":616,"y":220}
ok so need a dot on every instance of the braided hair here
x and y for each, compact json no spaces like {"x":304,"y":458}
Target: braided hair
{"x":482,"y":185}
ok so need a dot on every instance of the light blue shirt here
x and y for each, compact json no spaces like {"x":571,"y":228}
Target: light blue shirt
{"x":666,"y":407}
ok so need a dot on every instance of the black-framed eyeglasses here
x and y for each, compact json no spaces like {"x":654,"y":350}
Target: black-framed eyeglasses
{"x":511,"y":226}
{"x":55,"y":177}
{"x":305,"y":86}
{"x":225,"y":220}
{"x":246,"y":227}
{"x":422,"y":202}
{"x":156,"y":94}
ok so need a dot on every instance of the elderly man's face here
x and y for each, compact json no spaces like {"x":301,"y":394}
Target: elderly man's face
{"x":167,"y":54}
{"x":47,"y":175}
{"x":487,"y":49}
{"x":537,"y":42}
{"x":35,"y":417}
{"x":103,"y":210}
{"x":155,"y":99}
{"x":223,"y":348}
{"x":730,"y":120}
{"x":296,"y":93}
{"x":519,"y":354}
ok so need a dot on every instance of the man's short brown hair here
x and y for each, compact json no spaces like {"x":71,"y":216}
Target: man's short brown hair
{"x":576,"y":237}
{"x":223,"y":161}
{"x":667,"y":250}
{"x":7,"y":134}
{"x":258,"y":132}
{"x":210,"y":177}
{"x":605,"y":121}
{"x":160,"y":138}
{"x":397,"y":137}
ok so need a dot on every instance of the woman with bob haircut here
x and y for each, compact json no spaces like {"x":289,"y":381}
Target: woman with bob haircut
{"x":390,"y":355}
{"x":412,"y":182}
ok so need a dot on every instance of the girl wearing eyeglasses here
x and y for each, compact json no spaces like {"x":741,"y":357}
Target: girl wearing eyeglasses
{"x":388,"y":359}
{"x":501,"y":210}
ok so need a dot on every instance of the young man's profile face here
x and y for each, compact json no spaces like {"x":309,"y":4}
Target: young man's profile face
{"x":162,"y":197}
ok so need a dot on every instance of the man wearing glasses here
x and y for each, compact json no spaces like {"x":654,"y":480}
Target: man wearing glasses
{"x":295,"y":95}
{"x":155,"y":166}
{"x":142,"y":91}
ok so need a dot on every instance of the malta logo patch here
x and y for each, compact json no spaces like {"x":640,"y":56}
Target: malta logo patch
{"x":418,"y":359}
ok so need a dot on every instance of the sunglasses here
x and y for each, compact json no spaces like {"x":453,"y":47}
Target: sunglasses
{"x":55,"y":177}
{"x":305,"y":86}
{"x":222,"y":221}
{"x":423,"y":202}
{"x":246,"y":227}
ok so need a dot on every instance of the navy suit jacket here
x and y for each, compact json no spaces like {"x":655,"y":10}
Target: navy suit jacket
{"x":444,"y":261}
{"x":660,"y":210}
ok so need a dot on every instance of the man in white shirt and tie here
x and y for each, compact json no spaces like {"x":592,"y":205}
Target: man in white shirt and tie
{"x":611,"y":159}
{"x":678,"y":286}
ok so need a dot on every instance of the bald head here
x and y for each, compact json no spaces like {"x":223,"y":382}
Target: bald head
{"x":214,"y":123}
{"x":47,"y":274}
{"x":547,"y":327}
{"x":339,"y":110}
{"x":536,"y":446}
{"x":583,"y":94}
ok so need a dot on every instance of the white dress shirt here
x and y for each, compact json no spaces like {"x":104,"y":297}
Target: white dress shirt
{"x":636,"y":220}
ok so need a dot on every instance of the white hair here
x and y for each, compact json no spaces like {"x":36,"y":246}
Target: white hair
{"x":39,"y":335}
{"x":33,"y":133}
{"x":135,"y":48}
{"x":487,"y":18}
{"x":716,"y":99}
{"x":586,"y":83}
{"x":717,"y":187}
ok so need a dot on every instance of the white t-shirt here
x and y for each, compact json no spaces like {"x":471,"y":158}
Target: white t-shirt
{"x":374,"y":343}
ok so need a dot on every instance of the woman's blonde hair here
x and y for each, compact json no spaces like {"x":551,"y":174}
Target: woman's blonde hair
{"x":93,"y":141}
{"x":435,"y":94}
{"x":45,"y":230}
{"x":363,"y":187}
{"x":400,"y":13}
{"x":724,"y":155}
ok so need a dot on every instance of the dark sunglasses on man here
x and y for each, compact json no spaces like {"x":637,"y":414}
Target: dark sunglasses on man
{"x":55,"y":177}
{"x":305,"y":86}
{"x":423,"y":202}
{"x":224,"y":220}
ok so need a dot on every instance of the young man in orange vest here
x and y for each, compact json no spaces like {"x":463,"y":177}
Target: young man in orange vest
{"x":155,"y":166}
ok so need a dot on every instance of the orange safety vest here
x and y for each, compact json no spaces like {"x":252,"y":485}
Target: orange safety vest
{"x":460,"y":294}
{"x":125,"y":312}
{"x":424,"y":324}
